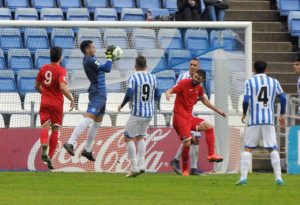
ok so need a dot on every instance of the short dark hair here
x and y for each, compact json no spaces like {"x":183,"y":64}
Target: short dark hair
{"x":201,"y":73}
{"x":260,"y":66}
{"x":140,"y":62}
{"x":84,"y":45}
{"x":55,"y":54}
{"x":195,"y":59}
{"x":298,"y":58}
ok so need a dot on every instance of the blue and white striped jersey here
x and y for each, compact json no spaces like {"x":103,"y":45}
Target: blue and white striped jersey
{"x":182,"y":76}
{"x":262,"y":91}
{"x":143,"y":85}
{"x":298,"y":87}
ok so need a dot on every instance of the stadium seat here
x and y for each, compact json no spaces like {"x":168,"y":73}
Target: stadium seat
{"x":143,"y":38}
{"x":38,"y":121}
{"x":294,"y":23}
{"x":205,"y":62}
{"x":115,"y":87}
{"x":119,"y":4}
{"x":36,"y":38}
{"x":78,"y":14}
{"x":116,"y":37}
{"x":229,"y":101}
{"x":79,"y":81}
{"x":165,"y":74}
{"x":114,"y":100}
{"x":216,"y":39}
{"x":105,"y":14}
{"x":156,"y":60}
{"x":92,"y":34}
{"x":10,"y":102}
{"x":66,"y":105}
{"x":63,"y":38}
{"x":2,"y":124}
{"x":161,"y":121}
{"x":10,"y":38}
{"x":72,"y":59}
{"x":42,"y":56}
{"x":196,"y":40}
{"x":83,"y":101}
{"x":26,"y":81}
{"x":169,"y":39}
{"x":7,"y":81}
{"x":127,"y":63}
{"x":52,"y":14}
{"x":287,"y":6}
{"x":72,"y":120}
{"x":19,"y":120}
{"x":148,"y":4}
{"x":171,"y":5}
{"x":2,"y":60}
{"x":65,"y":4}
{"x":13,"y":4}
{"x":132,"y":14}
{"x":39,"y":4}
{"x":19,"y":59}
{"x":179,"y":60}
{"x":32,"y":97}
{"x":159,"y":12}
{"x":5,"y":14}
{"x":165,"y":105}
{"x":92,"y":5}
{"x":26,"y":14}
{"x":122,"y":119}
{"x":228,"y":40}
{"x":163,"y":84}
{"x":106,"y":121}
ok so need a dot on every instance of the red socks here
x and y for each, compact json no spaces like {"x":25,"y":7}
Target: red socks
{"x":44,"y":136}
{"x":185,"y":158}
{"x":53,"y":143}
{"x":210,"y":140}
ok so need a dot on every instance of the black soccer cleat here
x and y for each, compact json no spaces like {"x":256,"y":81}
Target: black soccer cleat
{"x":176,"y":167}
{"x":196,"y":172}
{"x":45,"y":157}
{"x":69,"y":148}
{"x":88,"y":155}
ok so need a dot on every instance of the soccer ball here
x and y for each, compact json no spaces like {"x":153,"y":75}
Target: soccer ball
{"x":117,"y":53}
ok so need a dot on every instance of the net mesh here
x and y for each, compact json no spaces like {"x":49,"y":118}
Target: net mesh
{"x":168,"y":52}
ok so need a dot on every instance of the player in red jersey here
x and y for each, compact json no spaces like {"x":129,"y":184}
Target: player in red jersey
{"x":188,"y":92}
{"x":51,"y":83}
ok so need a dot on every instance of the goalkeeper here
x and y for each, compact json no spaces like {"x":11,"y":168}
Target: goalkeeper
{"x":95,"y":72}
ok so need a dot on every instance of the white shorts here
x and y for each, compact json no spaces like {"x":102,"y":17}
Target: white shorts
{"x":266,"y":133}
{"x":136,"y":126}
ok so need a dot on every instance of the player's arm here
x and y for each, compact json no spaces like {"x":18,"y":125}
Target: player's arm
{"x":64,"y":89}
{"x":176,"y":89}
{"x":208,"y":104}
{"x":282,"y":99}
{"x":38,"y":83}
{"x":127,"y":98}
{"x":106,"y":67}
{"x":247,"y":95}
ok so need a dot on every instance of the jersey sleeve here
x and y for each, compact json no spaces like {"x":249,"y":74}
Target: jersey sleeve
{"x":247,"y":89}
{"x":200,"y":91}
{"x":130,"y":82}
{"x":178,"y":87}
{"x":278,"y":88}
{"x":62,"y":76}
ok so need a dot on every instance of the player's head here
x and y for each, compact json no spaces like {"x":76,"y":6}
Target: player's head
{"x":260,"y":66}
{"x":55,"y":54}
{"x":194,"y":65}
{"x":87,"y":48}
{"x":140,"y":63}
{"x":297,"y":65}
{"x":198,"y":77}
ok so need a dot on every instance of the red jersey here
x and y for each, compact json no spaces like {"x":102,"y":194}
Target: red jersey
{"x":186,"y":97}
{"x":50,"y":75}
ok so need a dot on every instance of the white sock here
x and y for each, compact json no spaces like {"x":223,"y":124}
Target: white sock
{"x":179,"y":152}
{"x":141,"y":151}
{"x":275,"y":160}
{"x":79,"y":129}
{"x":131,"y":150}
{"x":194,"y":156}
{"x":245,"y":162}
{"x":91,"y":135}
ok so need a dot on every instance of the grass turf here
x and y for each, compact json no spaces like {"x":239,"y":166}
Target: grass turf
{"x":45,"y":188}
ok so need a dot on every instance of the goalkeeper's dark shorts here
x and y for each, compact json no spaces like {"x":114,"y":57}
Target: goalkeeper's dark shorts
{"x":96,"y":104}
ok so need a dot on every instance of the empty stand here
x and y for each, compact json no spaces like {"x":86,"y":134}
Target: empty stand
{"x":287,"y":6}
{"x":42,"y":56}
{"x":7,"y":81}
{"x":143,"y":38}
{"x":156,"y":60}
{"x":83,"y":101}
{"x":106,"y":121}
{"x":13,"y":4}
{"x":148,"y":4}
{"x":164,"y":84}
{"x":119,"y":4}
{"x":114,"y":100}
{"x":10,"y":38}
{"x":63,"y":38}
{"x":36,"y":38}
{"x":72,"y":120}
{"x":115,"y":37}
{"x":89,"y":34}
{"x":160,"y":120}
{"x":78,"y":14}
{"x":92,"y":5}
{"x":179,"y":60}
{"x":10,"y":102}
{"x":52,"y":14}
{"x":32,"y":97}
{"x":105,"y":14}
{"x":132,"y":14}
{"x":122,"y":119}
{"x":66,"y":4}
{"x":78,"y":78}
{"x":228,"y":40}
{"x":2,"y":124}
{"x":26,"y":81}
{"x":19,"y":59}
{"x":196,"y":40}
{"x":2,"y":60}
{"x":39,"y":4}
{"x":158,"y":12}
{"x":171,"y":5}
{"x":72,"y":59}
{"x":169,"y":39}
{"x":26,"y":14}
{"x":294,"y":23}
{"x":19,"y":120}
{"x":5,"y":14}
{"x":127,"y":63}
{"x":165,"y":105}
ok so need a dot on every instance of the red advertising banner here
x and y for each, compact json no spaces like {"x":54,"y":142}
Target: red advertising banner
{"x":20,"y":150}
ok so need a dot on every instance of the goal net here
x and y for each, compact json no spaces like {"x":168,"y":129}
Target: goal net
{"x":224,"y":52}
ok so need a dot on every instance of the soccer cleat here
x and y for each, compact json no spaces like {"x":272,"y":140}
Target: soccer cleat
{"x":69,"y":148}
{"x":185,"y":173}
{"x":279,"y":182}
{"x":215,"y":158}
{"x":241,"y":182}
{"x":88,"y":155}
{"x":176,"y":167}
{"x":142,"y":167}
{"x":196,"y":172}
{"x":132,"y":174}
{"x":45,"y":157}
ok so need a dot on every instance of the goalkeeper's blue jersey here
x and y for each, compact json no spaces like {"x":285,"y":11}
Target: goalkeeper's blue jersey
{"x":95,"y":72}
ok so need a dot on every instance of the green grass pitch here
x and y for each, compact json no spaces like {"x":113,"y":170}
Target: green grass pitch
{"x":43,"y":188}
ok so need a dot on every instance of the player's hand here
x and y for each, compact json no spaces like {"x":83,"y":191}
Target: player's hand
{"x":72,"y":105}
{"x":109,"y":51}
{"x":168,"y":96}
{"x":220,"y":112}
{"x":281,"y":121}
{"x":243,"y":119}
{"x":119,"y":108}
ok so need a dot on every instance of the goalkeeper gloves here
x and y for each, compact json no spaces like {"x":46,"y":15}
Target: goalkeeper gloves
{"x":109,"y":51}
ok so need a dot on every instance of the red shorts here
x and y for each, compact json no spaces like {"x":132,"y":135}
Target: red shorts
{"x":184,"y":126}
{"x":53,"y":114}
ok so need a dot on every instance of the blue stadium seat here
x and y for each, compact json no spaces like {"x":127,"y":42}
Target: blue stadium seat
{"x":92,"y":5}
{"x":39,"y":4}
{"x":229,"y":40}
{"x":65,"y":4}
{"x":42,"y":56}
{"x":294,"y":23}
{"x":10,"y":38}
{"x":205,"y":62}
{"x":288,"y":5}
{"x":119,"y":4}
{"x":92,"y":34}
{"x":117,"y":37}
{"x":5,"y":14}
{"x":52,"y":14}
{"x":196,"y":40}
{"x":148,"y":4}
{"x":72,"y":59}
{"x":171,"y":5}
{"x":164,"y":84}
{"x":2,"y":60}
{"x":36,"y":38}
{"x":165,"y":74}
{"x":78,"y":77}
{"x":26,"y":14}
{"x":7,"y":81}
{"x":13,"y":4}
{"x":156,"y":60}
{"x":143,"y":38}
{"x":26,"y":81}
{"x":19,"y":59}
{"x":132,"y":14}
{"x":78,"y":14}
{"x":127,"y":63}
{"x":169,"y":39}
{"x":159,"y":12}
{"x":216,"y":39}
{"x":63,"y":38}
{"x":179,"y":60}
{"x":105,"y":14}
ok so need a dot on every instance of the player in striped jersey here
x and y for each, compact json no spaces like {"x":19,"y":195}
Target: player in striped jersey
{"x":259,"y":96}
{"x":297,"y":71}
{"x":141,"y":88}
